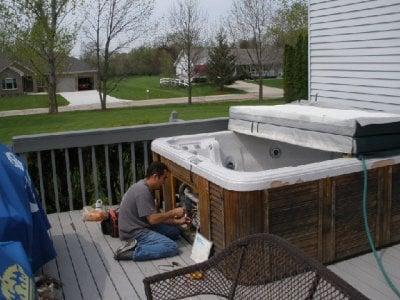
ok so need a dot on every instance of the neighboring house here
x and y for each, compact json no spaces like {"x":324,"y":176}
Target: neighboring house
{"x":199,"y":64}
{"x":245,"y":60}
{"x":17,"y":79}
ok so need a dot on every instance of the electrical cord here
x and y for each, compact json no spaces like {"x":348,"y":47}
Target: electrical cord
{"x":368,"y":231}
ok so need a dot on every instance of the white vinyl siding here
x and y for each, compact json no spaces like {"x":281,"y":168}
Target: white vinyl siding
{"x":355,"y":53}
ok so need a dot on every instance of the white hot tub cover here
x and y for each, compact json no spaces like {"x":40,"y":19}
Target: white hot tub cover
{"x":330,"y":129}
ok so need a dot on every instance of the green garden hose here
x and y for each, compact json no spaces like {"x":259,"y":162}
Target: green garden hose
{"x":368,"y":231}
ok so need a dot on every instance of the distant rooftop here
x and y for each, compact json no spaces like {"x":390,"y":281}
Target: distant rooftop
{"x":244,"y":56}
{"x":74,"y":65}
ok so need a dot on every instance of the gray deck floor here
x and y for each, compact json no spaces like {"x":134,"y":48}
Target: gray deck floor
{"x":85,"y":263}
{"x":362,"y":272}
{"x":86,"y":267}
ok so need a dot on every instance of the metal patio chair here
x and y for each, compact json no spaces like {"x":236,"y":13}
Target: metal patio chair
{"x":261,"y":266}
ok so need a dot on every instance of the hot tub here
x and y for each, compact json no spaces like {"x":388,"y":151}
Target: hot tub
{"x":247,"y":182}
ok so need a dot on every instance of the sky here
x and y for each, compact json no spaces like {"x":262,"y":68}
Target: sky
{"x":215,"y":11}
{"x":213,"y":8}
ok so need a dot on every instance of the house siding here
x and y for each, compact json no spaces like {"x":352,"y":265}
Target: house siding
{"x":67,"y":84}
{"x":355,"y":53}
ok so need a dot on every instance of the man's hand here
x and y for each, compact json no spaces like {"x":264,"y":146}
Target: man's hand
{"x":178,"y":212}
{"x":173,"y":216}
{"x":180,"y":221}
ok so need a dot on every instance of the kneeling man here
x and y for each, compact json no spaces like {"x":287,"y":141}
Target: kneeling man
{"x":148,"y":233}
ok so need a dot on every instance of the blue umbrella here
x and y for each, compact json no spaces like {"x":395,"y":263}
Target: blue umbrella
{"x":21,"y":215}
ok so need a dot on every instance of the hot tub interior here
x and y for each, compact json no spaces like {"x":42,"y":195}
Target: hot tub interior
{"x":247,"y":153}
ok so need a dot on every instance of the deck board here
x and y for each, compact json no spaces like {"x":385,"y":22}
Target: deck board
{"x":123,"y":285}
{"x":101,"y":276}
{"x":51,"y":269}
{"x":87,"y":284}
{"x":70,"y":287}
{"x":130,"y":268}
{"x":87,"y":269}
{"x":362,"y":273}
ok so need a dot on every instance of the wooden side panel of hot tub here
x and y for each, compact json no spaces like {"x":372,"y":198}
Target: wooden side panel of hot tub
{"x":322,"y":217}
{"x":217,"y":216}
{"x":349,"y":234}
{"x":244,"y":214}
{"x":394,"y":206}
{"x":293,"y":213}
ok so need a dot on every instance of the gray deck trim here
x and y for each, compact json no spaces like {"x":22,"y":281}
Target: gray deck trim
{"x":84,"y":138}
{"x":69,"y":185}
{"x":41,"y":184}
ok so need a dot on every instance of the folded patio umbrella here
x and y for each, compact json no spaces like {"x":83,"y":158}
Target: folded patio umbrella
{"x":21,"y":215}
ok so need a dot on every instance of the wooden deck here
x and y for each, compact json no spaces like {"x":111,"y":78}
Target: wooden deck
{"x":85,"y":263}
{"x":86,"y":267}
{"x":362,"y":272}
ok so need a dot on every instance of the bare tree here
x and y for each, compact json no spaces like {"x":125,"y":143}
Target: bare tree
{"x":113,"y":25}
{"x":252,"y":20}
{"x":41,"y":37}
{"x":187,"y":23}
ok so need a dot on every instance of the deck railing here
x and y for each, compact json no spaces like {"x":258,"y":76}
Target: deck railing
{"x":73,"y":169}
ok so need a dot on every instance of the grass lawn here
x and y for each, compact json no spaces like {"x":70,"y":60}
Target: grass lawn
{"x":78,"y":120}
{"x":28,"y":101}
{"x":271,"y":82}
{"x":134,"y":88}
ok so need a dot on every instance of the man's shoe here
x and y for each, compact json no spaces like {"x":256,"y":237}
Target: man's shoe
{"x":125,"y":252}
{"x":127,"y":255}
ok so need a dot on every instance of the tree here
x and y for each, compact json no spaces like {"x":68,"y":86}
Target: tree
{"x":221,"y":65}
{"x":167,"y":68}
{"x":40,"y":38}
{"x":251,"y":20}
{"x":187,"y":23}
{"x":290,"y":31}
{"x":288,"y":74}
{"x":290,"y":21}
{"x":145,"y":61}
{"x":112,"y":26}
{"x":295,"y":79}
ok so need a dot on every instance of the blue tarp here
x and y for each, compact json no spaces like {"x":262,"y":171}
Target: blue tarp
{"x":21,"y":215}
{"x":16,"y":278}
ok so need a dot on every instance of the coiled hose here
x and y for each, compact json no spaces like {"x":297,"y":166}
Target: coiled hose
{"x":368,"y":231}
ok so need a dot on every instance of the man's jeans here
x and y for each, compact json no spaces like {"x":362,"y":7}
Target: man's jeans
{"x":158,"y":242}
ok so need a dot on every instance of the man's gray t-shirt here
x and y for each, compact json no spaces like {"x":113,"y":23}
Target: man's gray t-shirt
{"x":137,"y":203}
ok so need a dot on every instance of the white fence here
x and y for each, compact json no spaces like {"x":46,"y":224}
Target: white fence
{"x":173,"y":82}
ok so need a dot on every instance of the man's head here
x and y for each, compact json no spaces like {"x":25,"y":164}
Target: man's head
{"x":156,"y":174}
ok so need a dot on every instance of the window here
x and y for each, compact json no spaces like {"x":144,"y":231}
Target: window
{"x":9,"y":84}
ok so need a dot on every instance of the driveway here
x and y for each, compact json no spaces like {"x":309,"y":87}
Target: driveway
{"x":251,"y":88}
{"x":92,"y":97}
{"x":87,"y":98}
